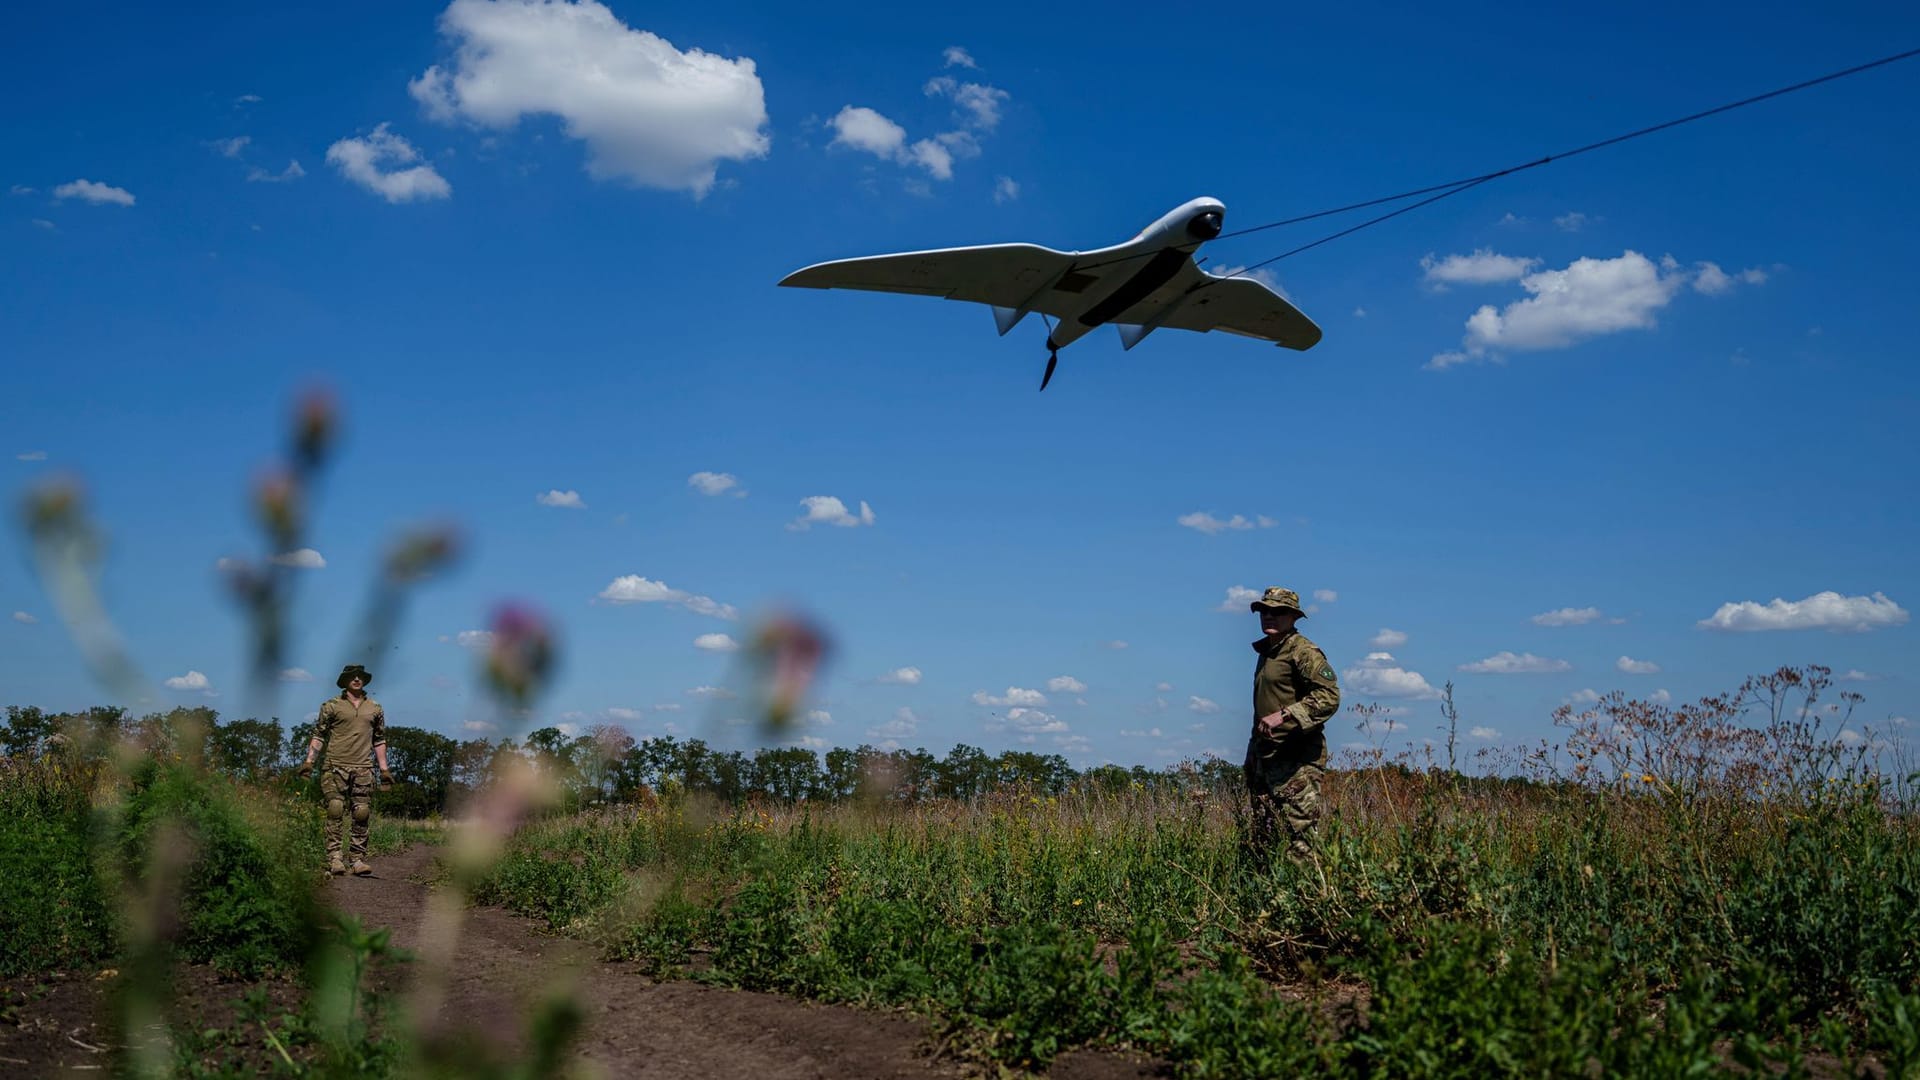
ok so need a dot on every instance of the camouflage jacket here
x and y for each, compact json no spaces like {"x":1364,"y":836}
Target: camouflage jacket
{"x":1292,"y":676}
{"x":354,"y":729}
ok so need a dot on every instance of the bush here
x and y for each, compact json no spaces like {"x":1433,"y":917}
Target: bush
{"x":53,"y":911}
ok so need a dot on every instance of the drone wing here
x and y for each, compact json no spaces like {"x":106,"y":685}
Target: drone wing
{"x":1002,"y":275}
{"x":1241,"y":305}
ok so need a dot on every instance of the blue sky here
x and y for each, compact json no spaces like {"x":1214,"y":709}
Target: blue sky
{"x":1646,"y":408}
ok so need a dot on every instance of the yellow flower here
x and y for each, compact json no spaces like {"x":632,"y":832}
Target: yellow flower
{"x":1646,"y":778}
{"x":1076,"y":903}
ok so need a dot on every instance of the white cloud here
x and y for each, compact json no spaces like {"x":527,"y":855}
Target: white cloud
{"x":1201,"y":521}
{"x":293,"y":171}
{"x":373,"y":163}
{"x":669,"y":706}
{"x":1711,"y":280}
{"x":977,"y":105}
{"x":715,"y":483}
{"x":1388,"y":639}
{"x":44,"y":223}
{"x":956,"y":56}
{"x":21,"y":189}
{"x":1260,"y":274}
{"x":1483,"y":267}
{"x":1238,"y":597}
{"x":1629,"y":666}
{"x":1359,"y":313}
{"x":192,"y":680}
{"x":95,"y":193}
{"x":296,"y":675}
{"x":248,"y":99}
{"x":906,"y":676}
{"x":1572,"y":221}
{"x":649,"y":113}
{"x":230,"y":148}
{"x":25,"y":619}
{"x":1005,"y":189}
{"x":1379,"y":675}
{"x":1821,"y":611}
{"x":1203,"y":706}
{"x":1115,"y":645}
{"x":819,"y":717}
{"x":827,"y":510}
{"x":634,"y":589}
{"x":716,"y":693}
{"x":568,"y":500}
{"x":1325,"y":596}
{"x":1507,"y":663}
{"x":1164,"y":687}
{"x":715,"y":643}
{"x":1588,"y":696}
{"x":1753,"y":275}
{"x":31,"y":455}
{"x":1485,"y":733}
{"x":1590,"y":298}
{"x":860,"y":128}
{"x":1660,"y":697}
{"x":1066,"y":684}
{"x":1856,"y":675}
{"x":303,"y":559}
{"x":480,"y":727}
{"x":1014,"y":696}
{"x":902,"y":726}
{"x":1567,"y":616}
{"x":621,"y":714}
{"x":474,"y":639}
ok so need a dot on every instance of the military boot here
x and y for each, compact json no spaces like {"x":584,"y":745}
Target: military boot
{"x":361,"y":869}
{"x":337,"y":866}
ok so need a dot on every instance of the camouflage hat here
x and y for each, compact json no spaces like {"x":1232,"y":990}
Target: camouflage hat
{"x":349,"y":672}
{"x":1278,"y":598}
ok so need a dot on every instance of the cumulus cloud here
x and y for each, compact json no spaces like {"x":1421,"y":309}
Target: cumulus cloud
{"x":1005,"y":189}
{"x":31,"y":455}
{"x":1589,"y":298}
{"x":649,"y":113}
{"x":1201,"y":521}
{"x":1028,"y":722}
{"x":906,"y":676}
{"x":1507,"y":663}
{"x":1379,"y":675}
{"x":1567,"y":616}
{"x":1388,"y":639}
{"x":1260,"y":274}
{"x":192,"y":680}
{"x":715,"y":643}
{"x":976,"y":112}
{"x":374,"y":162}
{"x":1572,"y":221}
{"x":956,"y":56}
{"x":1483,"y":267}
{"x":1588,"y":696}
{"x":827,"y":510}
{"x":1629,"y":666}
{"x":89,"y":191}
{"x":1822,"y":611}
{"x":1856,"y":675}
{"x":230,"y":148}
{"x":1066,"y":684}
{"x":1325,"y":596}
{"x":634,"y":589}
{"x":1238,"y":597}
{"x":1014,"y":696}
{"x":296,"y":675}
{"x":1484,"y":733}
{"x":902,"y":726}
{"x":25,"y":619}
{"x":716,"y":693}
{"x":476,"y":640}
{"x":860,"y":128}
{"x":716,"y":483}
{"x":303,"y":559}
{"x":566,"y":500}
{"x":1203,"y":706}
{"x":1660,"y":697}
{"x":1115,"y":645}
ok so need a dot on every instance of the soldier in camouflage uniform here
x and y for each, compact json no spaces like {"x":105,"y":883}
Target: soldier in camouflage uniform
{"x":357,"y":727}
{"x":1294,"y":694}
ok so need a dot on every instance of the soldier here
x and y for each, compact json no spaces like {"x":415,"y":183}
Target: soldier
{"x":1294,"y":695}
{"x":358,"y":726}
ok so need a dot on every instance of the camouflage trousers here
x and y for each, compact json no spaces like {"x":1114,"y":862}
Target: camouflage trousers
{"x":348,"y":792}
{"x":1285,"y":796}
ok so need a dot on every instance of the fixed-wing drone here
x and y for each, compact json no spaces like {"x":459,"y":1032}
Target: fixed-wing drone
{"x":1149,"y":282}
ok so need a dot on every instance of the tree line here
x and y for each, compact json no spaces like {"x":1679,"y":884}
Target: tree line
{"x":604,"y":764}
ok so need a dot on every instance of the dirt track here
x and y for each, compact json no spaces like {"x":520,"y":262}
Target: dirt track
{"x":634,"y":1026}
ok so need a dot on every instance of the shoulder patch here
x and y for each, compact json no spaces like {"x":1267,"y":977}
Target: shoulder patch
{"x":1326,"y":671}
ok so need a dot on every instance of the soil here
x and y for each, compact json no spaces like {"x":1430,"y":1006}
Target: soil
{"x":634,"y":1025}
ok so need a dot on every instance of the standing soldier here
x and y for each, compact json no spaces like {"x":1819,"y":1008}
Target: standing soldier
{"x":358,"y":726}
{"x":1294,"y":695}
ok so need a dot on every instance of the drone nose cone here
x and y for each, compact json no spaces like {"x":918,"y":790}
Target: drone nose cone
{"x":1206,"y":226}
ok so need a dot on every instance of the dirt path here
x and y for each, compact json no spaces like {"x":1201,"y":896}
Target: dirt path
{"x":634,"y":1026}
{"x":638,"y":1027}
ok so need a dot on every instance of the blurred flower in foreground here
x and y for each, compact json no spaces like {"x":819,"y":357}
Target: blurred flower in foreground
{"x":521,"y":655}
{"x":786,"y":654}
{"x":314,"y":424}
{"x":422,"y":554}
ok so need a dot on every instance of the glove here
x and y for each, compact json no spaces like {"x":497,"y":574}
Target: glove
{"x":304,"y":772}
{"x":386,"y":777}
